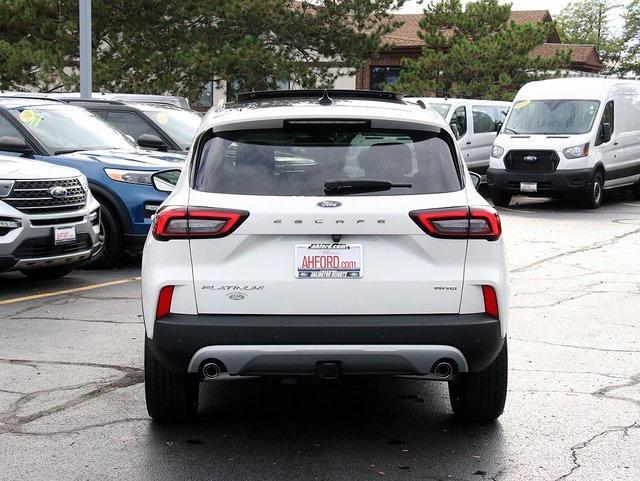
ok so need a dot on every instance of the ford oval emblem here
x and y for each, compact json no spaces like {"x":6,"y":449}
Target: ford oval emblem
{"x":329,"y":203}
{"x":58,"y":192}
{"x":530,"y":158}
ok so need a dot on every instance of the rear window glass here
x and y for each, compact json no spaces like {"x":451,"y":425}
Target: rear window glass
{"x":298,"y":161}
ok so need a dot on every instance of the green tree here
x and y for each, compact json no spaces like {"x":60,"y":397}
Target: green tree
{"x":629,"y":64}
{"x":476,"y":52}
{"x":588,"y":22}
{"x":177,"y":46}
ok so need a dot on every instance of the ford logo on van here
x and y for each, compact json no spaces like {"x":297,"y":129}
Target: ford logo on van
{"x":329,"y":203}
{"x":530,"y":158}
{"x":58,"y":192}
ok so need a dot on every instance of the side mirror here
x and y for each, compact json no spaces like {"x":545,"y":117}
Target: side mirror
{"x":476,"y":179}
{"x":149,"y":141}
{"x":15,"y":144}
{"x":456,"y":132}
{"x":165,"y":180}
{"x":605,"y":133}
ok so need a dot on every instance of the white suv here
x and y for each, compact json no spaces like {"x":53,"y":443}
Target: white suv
{"x":324,"y":234}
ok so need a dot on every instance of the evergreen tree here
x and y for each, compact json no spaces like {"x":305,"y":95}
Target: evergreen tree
{"x":177,"y":46}
{"x":476,"y":52}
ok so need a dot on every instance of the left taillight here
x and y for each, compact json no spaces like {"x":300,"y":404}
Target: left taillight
{"x":164,"y":302}
{"x":196,"y":222}
{"x":459,"y":223}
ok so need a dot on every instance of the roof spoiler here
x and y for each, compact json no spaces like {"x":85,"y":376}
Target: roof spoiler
{"x":324,"y":96}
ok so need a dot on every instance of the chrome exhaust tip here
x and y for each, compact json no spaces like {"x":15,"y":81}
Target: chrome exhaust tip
{"x":443,"y":369}
{"x":210,"y":371}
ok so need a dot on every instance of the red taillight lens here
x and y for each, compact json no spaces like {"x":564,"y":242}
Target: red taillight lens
{"x":490,"y":301}
{"x":164,"y":302}
{"x":196,"y":222}
{"x":459,"y":223}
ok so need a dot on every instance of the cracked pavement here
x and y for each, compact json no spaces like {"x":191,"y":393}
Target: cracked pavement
{"x":72,"y":393}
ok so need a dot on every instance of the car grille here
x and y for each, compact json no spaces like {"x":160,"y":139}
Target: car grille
{"x":34,"y":196}
{"x":45,"y":247}
{"x":545,"y":161}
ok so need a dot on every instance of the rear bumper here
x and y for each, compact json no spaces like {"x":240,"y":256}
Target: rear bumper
{"x":402,"y":344}
{"x":560,"y":181}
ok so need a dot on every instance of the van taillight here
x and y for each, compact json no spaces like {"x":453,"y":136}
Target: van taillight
{"x":459,"y":223}
{"x":196,"y":222}
{"x":490,"y":301}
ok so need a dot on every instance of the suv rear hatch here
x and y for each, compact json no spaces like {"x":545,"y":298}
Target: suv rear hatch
{"x":318,"y":222}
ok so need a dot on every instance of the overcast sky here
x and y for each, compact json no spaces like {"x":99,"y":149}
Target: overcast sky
{"x":554,"y":6}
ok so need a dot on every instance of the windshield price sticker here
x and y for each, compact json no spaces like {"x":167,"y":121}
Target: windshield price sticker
{"x":31,"y":117}
{"x":162,"y":118}
{"x":522,"y":104}
{"x":328,"y":261}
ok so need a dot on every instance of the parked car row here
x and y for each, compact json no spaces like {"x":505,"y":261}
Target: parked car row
{"x":115,"y":175}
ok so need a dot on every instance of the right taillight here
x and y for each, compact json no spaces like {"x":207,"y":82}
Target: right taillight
{"x":195,"y":222}
{"x":459,"y":223}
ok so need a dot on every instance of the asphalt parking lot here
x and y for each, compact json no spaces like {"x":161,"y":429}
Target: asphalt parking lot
{"x":72,"y":400}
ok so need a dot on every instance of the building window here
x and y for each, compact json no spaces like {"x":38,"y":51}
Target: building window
{"x":381,"y":76}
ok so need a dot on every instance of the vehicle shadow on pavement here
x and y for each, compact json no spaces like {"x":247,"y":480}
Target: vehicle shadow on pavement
{"x":546,"y":204}
{"x":357,"y":429}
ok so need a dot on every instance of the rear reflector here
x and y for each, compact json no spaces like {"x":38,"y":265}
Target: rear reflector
{"x":164,"y":302}
{"x":196,"y":222}
{"x":459,"y":223}
{"x":490,"y":301}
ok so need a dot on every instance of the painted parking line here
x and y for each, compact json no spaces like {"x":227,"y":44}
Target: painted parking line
{"x":69,"y":291}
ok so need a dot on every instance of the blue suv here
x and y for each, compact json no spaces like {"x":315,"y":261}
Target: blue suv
{"x":118,"y":171}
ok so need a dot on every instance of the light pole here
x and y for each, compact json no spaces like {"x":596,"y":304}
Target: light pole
{"x":85,"y":49}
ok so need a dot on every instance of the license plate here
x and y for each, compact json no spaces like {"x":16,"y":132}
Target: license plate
{"x":64,"y":235}
{"x":528,"y":187}
{"x":328,"y":261}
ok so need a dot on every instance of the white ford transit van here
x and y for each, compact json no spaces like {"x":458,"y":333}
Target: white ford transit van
{"x":475,"y":123}
{"x":576,"y":136}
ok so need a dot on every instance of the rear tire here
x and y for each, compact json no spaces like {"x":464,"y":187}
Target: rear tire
{"x":636,"y":191}
{"x":592,"y":197}
{"x":501,"y":199}
{"x":44,"y":273}
{"x":170,"y":396}
{"x":480,"y":396}
{"x":111,"y":252}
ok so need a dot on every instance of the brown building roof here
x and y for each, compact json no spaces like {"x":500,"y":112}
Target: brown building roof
{"x":583,"y":57}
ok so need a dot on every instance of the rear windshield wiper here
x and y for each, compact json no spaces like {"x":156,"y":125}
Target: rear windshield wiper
{"x":360,"y":186}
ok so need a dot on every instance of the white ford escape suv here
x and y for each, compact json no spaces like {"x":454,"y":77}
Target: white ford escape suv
{"x":324,"y":234}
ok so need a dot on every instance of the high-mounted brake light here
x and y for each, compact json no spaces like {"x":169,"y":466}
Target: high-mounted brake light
{"x":164,"y":302}
{"x":196,"y":222}
{"x":459,"y":223}
{"x":490,"y":301}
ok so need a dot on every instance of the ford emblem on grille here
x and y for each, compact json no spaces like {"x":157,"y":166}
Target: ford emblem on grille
{"x":58,"y":192}
{"x":530,"y":158}
{"x":329,"y":203}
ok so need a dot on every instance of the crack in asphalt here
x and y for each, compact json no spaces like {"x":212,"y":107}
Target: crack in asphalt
{"x":79,"y":429}
{"x":574,"y":346}
{"x":47,"y":318}
{"x":604,"y":393}
{"x":590,"y":247}
{"x":12,"y":422}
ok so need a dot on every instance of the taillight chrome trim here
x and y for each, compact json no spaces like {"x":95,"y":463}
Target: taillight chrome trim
{"x":425,"y":220}
{"x":233,"y":219}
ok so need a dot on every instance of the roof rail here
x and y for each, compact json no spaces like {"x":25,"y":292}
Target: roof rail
{"x":326,"y":95}
{"x":19,"y":95}
{"x":78,"y":100}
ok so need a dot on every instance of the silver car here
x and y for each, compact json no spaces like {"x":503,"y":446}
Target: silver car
{"x":49,"y":221}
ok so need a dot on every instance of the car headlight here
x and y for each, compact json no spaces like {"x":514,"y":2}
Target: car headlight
{"x":130,"y":176}
{"x":497,"y":151}
{"x":576,"y":152}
